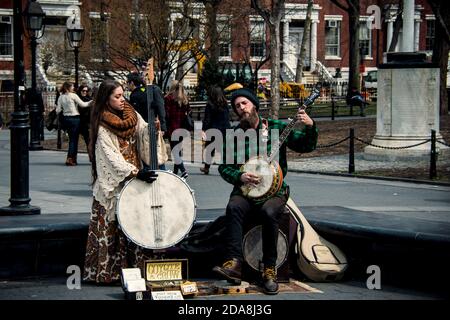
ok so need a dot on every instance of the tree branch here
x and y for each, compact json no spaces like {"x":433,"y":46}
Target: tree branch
{"x":340,"y":5}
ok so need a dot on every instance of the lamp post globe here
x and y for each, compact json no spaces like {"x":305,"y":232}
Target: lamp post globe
{"x":75,"y":35}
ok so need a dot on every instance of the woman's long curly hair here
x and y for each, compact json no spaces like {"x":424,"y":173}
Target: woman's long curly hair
{"x":101,"y":103}
{"x":217,"y":98}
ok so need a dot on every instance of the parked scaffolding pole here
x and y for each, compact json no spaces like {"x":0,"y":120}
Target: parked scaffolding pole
{"x":351,"y":159}
{"x":433,"y":155}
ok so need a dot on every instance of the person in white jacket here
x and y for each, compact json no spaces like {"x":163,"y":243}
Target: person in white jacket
{"x":68,"y":103}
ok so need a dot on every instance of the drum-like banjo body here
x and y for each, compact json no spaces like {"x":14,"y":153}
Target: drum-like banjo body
{"x":156,"y":215}
{"x":271,"y":178}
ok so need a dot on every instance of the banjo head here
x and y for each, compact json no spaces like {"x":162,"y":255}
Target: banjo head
{"x":271,"y":178}
{"x":252,"y":248}
{"x":265,"y":171}
{"x":156,"y":215}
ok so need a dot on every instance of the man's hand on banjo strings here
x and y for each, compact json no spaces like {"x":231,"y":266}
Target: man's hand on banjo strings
{"x":147,"y":175}
{"x":250,"y":179}
{"x":303,"y":117}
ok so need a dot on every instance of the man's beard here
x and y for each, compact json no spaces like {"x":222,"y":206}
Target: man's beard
{"x":249,"y":120}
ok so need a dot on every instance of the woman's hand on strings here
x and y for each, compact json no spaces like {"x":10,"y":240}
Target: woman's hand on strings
{"x":146,"y":175}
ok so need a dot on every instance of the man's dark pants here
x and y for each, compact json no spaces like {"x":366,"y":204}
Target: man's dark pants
{"x":240,"y":211}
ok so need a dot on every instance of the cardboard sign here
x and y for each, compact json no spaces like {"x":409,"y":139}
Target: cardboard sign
{"x":165,"y":270}
{"x":167,"y":295}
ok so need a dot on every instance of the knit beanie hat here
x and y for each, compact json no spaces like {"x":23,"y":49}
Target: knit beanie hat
{"x":244,"y":93}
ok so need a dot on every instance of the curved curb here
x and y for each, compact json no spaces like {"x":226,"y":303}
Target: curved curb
{"x":348,"y":175}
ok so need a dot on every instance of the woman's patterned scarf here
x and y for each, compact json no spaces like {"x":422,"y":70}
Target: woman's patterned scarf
{"x":124,"y":126}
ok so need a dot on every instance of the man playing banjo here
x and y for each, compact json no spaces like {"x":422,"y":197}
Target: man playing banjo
{"x":241,"y":206}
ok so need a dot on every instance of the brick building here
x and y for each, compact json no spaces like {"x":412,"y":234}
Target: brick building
{"x":327,"y":47}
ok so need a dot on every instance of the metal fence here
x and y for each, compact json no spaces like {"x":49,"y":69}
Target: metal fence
{"x":7,"y":103}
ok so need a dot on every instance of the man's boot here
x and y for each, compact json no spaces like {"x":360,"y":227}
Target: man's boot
{"x":270,"y":285}
{"x":231,"y":270}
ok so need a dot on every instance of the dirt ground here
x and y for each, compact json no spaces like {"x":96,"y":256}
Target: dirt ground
{"x":365,"y":128}
{"x":333,"y":131}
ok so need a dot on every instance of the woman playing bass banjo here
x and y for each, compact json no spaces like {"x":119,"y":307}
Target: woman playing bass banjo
{"x":117,"y":147}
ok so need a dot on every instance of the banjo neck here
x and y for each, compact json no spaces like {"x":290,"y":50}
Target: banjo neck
{"x":315,"y":93}
{"x":284,"y":135}
{"x":151,"y":117}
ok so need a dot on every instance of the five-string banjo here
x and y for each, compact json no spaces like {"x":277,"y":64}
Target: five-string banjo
{"x":267,"y":169}
{"x":160,"y":214}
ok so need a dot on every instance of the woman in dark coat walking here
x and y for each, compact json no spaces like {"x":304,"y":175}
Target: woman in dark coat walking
{"x":177,"y":107}
{"x":83,"y":93}
{"x":217,"y":116}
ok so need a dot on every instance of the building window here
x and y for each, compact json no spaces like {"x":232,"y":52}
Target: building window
{"x":224,"y":31}
{"x":365,"y":40}
{"x":429,"y":38}
{"x":257,"y":38}
{"x":332,"y":38}
{"x":99,"y":36}
{"x":139,"y":29}
{"x":6,"y":38}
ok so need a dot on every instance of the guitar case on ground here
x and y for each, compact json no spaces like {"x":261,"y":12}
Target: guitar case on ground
{"x":318,"y":259}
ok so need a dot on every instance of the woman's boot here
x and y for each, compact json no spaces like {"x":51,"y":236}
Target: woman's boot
{"x":70,"y":162}
{"x":205,"y":169}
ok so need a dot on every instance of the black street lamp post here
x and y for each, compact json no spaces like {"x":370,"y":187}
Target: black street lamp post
{"x":75,"y":34}
{"x":20,"y":199}
{"x":34,"y":16}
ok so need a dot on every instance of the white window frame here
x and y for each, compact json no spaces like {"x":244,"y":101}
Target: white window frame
{"x":96,"y":15}
{"x":429,"y":17}
{"x":254,"y":19}
{"x":338,"y":20}
{"x":224,"y":19}
{"x":8,"y":13}
{"x":363,"y":23}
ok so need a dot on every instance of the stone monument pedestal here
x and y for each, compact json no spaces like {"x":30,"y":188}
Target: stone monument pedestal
{"x":407,"y":108}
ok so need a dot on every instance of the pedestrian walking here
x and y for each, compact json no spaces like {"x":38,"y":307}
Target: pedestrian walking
{"x":68,"y":103}
{"x":85,"y":113}
{"x":217,"y":116}
{"x":177,"y":107}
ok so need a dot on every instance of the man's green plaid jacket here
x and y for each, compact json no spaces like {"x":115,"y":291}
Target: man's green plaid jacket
{"x":302,"y":141}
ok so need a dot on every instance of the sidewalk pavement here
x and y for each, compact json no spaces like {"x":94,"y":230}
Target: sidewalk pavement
{"x":397,"y":220}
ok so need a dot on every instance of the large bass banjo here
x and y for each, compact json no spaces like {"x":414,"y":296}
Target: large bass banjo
{"x":160,"y":214}
{"x":267,"y":169}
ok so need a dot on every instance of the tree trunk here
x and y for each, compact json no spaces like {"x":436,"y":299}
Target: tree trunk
{"x":397,"y":26}
{"x":211,"y":30}
{"x":275,"y":69}
{"x":441,"y":10}
{"x":353,"y":77}
{"x":440,"y":56}
{"x":305,"y":39}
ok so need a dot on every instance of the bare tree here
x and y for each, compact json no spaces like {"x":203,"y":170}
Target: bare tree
{"x":211,"y":8}
{"x":305,"y":39}
{"x":397,"y":27}
{"x":352,"y":7}
{"x":272,"y":15}
{"x":441,"y":10}
{"x":146,"y":31}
